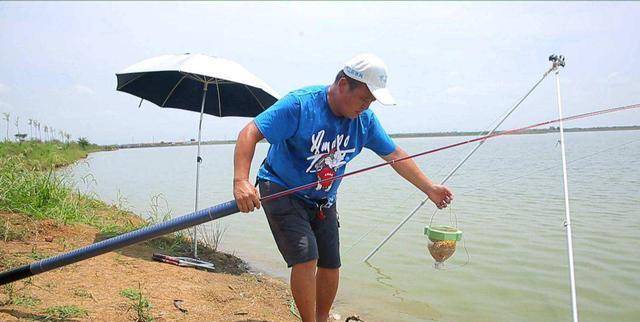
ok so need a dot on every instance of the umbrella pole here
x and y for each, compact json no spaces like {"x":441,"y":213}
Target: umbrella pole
{"x":198,"y":161}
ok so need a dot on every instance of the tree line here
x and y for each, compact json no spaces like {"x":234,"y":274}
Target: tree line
{"x":37,"y":131}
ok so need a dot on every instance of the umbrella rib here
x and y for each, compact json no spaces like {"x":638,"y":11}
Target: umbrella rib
{"x":207,"y":79}
{"x":172,"y":90}
{"x":217,"y":80}
{"x":195,"y":77}
{"x":254,"y":96}
{"x":127,"y":83}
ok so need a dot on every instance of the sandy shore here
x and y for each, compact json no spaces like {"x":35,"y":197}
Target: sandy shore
{"x":100,"y":288}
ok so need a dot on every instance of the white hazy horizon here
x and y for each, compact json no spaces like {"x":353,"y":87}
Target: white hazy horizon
{"x":452,"y":66}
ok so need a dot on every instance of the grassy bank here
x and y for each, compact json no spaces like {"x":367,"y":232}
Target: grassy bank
{"x":42,"y":214}
{"x":47,"y":155}
{"x":30,"y":185}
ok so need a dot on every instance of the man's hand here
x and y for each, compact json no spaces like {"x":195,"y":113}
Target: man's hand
{"x":440,"y":195}
{"x":246,"y":195}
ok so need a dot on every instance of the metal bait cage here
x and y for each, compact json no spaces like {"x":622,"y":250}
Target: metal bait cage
{"x":442,"y":242}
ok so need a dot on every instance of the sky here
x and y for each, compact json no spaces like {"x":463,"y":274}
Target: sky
{"x":452,"y":66}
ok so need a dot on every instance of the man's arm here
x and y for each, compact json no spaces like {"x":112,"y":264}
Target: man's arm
{"x":440,"y":195}
{"x":245,"y":193}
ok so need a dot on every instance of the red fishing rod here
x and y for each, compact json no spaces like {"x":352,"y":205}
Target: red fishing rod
{"x":229,"y":208}
{"x":481,"y":138}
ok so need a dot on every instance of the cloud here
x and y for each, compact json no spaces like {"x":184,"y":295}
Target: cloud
{"x":83,"y":89}
{"x":4,"y":88}
{"x":455,"y":90}
{"x":613,"y":76}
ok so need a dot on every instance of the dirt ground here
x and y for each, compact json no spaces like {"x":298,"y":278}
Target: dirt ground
{"x":96,"y":286}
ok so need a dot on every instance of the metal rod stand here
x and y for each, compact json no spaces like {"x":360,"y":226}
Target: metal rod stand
{"x":558,"y":61}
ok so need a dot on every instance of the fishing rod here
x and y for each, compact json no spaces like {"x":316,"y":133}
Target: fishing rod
{"x":229,"y":208}
{"x":485,"y":137}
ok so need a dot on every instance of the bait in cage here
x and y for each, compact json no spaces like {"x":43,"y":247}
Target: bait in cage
{"x":442,"y":242}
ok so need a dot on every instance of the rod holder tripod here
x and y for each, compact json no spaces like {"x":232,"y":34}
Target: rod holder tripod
{"x":557,"y":60}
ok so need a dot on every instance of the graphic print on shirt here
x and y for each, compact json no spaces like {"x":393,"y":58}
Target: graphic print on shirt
{"x":327,"y":157}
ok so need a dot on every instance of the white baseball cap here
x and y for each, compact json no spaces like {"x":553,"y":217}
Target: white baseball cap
{"x":371,"y":70}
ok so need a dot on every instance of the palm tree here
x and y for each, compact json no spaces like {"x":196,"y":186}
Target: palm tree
{"x":35,"y":129}
{"x":31,"y":128}
{"x":39,"y":132}
{"x":17,"y":126}
{"x":6,"y":117}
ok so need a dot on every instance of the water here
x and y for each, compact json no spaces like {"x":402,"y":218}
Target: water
{"x":509,"y":204}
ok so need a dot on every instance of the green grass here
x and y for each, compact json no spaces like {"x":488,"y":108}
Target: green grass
{"x":30,"y":185}
{"x":26,"y":300}
{"x":13,"y":297}
{"x":50,"y":195}
{"x":83,"y":293}
{"x":39,"y":194}
{"x":139,"y":304}
{"x":35,"y":255}
{"x":46,"y":155}
{"x":64,"y":312}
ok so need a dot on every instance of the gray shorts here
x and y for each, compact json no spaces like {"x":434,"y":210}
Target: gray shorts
{"x":300,"y":235}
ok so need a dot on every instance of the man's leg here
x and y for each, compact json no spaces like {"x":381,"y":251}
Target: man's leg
{"x":291,"y":229}
{"x":303,"y":289}
{"x":328,"y":275}
{"x":326,"y":288}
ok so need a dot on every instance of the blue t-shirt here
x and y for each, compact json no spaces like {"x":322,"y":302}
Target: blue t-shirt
{"x":309,"y":143}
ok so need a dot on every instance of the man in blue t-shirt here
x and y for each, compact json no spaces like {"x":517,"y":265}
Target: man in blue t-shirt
{"x":314,"y":132}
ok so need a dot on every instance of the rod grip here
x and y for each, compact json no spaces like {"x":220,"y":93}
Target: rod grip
{"x":15,"y":274}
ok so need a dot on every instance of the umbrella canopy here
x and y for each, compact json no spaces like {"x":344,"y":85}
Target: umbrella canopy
{"x":177,"y":81}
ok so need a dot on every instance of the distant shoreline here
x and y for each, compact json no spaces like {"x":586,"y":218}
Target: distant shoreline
{"x":551,"y":129}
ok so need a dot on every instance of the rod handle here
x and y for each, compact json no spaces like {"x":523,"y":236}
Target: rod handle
{"x":15,"y":274}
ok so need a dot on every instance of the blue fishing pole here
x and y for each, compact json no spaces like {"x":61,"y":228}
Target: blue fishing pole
{"x":130,"y":238}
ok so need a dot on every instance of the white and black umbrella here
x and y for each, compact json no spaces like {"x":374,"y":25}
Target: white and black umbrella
{"x":198,"y":83}
{"x":179,"y":81}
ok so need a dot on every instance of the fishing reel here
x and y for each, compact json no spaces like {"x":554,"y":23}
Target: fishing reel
{"x":557,"y":60}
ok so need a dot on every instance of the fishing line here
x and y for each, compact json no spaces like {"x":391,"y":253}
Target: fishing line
{"x":494,"y":124}
{"x":483,"y":187}
{"x":481,"y":138}
{"x":453,"y":218}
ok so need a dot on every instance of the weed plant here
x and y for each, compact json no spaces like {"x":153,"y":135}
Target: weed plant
{"x":139,"y":304}
{"x":64,"y":312}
